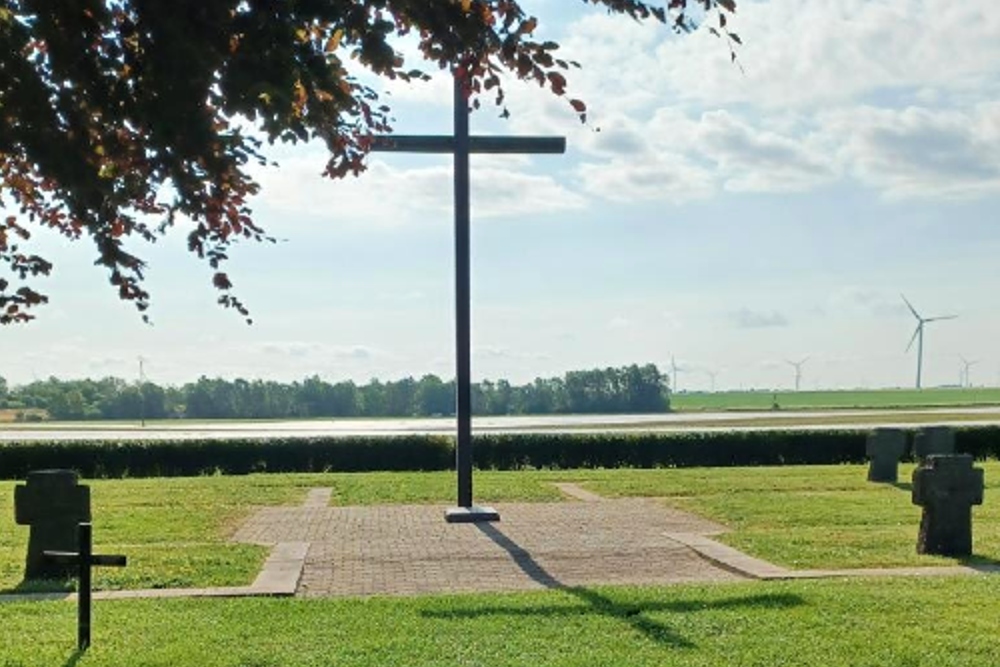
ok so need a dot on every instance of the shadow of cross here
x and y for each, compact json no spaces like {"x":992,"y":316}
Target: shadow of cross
{"x":635,"y":615}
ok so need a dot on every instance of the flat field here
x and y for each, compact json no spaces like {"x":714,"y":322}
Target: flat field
{"x":848,"y":399}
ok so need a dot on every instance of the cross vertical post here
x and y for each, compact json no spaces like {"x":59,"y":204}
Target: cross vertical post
{"x":84,"y":559}
{"x":83,"y":607}
{"x":461,"y":145}
{"x":463,"y":297}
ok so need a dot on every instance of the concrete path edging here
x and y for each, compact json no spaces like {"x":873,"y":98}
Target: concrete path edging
{"x":728,"y":558}
{"x":577,"y":492}
{"x":279,"y":576}
{"x":737,"y":562}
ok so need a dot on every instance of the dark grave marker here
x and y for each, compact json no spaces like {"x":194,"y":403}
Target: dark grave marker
{"x":947,"y":486}
{"x":83,"y":559}
{"x":884,"y":448}
{"x":52,"y":503}
{"x":933,"y":440}
{"x":460,"y":145}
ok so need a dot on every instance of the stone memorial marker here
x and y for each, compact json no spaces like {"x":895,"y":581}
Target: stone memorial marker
{"x":83,"y":559}
{"x":933,"y":440}
{"x":884,"y":448}
{"x":53,"y":503}
{"x":947,"y":486}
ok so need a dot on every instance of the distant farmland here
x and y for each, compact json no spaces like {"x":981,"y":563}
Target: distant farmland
{"x":824,"y":400}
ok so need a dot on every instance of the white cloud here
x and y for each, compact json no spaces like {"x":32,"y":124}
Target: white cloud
{"x":745,"y":318}
{"x":388,"y":195}
{"x":805,"y":53}
{"x":918,"y":152}
{"x":758,"y":160}
{"x":855,"y":300}
{"x":664,"y":177}
{"x":499,"y":352}
{"x":316,"y":351}
{"x":674,"y":157}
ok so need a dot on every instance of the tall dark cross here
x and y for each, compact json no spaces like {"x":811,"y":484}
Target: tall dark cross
{"x":84,"y":559}
{"x":461,"y":145}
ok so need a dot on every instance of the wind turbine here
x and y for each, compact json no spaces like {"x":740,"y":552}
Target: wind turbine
{"x":918,"y":334}
{"x":798,"y":370}
{"x":964,"y":377}
{"x":712,"y":375}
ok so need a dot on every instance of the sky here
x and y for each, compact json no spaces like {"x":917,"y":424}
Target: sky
{"x":729,"y":219}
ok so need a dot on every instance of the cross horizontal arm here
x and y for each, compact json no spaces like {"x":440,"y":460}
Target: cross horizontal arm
{"x":63,"y":557}
{"x":73,"y":558}
{"x":408,"y":143}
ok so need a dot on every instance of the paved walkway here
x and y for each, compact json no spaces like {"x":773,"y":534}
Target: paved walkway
{"x":409,"y":549}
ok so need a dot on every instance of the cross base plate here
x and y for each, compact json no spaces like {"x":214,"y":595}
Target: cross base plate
{"x":474,"y":514}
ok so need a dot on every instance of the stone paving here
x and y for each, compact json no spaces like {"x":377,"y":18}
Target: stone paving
{"x":410,"y":549}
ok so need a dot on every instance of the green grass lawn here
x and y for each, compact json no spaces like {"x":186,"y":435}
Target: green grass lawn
{"x":805,"y":400}
{"x":807,"y":516}
{"x":939,"y":622}
{"x":175,"y":533}
{"x":176,"y":530}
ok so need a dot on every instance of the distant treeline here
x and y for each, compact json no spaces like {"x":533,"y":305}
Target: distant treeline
{"x":629,"y":389}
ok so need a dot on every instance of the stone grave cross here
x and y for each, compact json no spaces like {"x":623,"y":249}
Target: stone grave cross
{"x":947,"y":486}
{"x":83,"y":559}
{"x":884,"y":447}
{"x":460,"y":145}
{"x":53,"y":503}
{"x":933,"y":440}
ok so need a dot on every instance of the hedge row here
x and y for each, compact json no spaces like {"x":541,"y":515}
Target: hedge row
{"x":165,"y":458}
{"x":172,"y":458}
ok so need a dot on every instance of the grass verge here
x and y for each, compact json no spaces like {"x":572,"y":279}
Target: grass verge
{"x":886,"y":622}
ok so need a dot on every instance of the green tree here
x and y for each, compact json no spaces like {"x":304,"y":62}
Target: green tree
{"x":434,"y":396}
{"x":120,"y":116}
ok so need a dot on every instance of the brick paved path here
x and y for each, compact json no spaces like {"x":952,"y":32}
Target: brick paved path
{"x":409,"y":549}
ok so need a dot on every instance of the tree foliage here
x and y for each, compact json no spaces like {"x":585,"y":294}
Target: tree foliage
{"x":122,"y":117}
{"x":629,"y":389}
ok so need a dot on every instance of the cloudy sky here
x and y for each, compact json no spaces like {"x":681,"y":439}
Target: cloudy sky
{"x":731,"y":220}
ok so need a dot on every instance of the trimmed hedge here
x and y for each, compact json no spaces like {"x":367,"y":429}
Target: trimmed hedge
{"x":173,"y":458}
{"x":652,"y":450}
{"x":512,"y":451}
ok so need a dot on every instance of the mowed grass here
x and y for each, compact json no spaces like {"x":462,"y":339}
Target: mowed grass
{"x":176,"y":531}
{"x":944,"y":622}
{"x":809,"y":511}
{"x":808,"y":516}
{"x":806,"y":400}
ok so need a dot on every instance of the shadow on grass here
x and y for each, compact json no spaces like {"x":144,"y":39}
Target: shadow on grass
{"x":981,"y":563}
{"x":630,"y":613}
{"x":74,"y":657}
{"x":903,"y":486}
{"x":52,"y":588}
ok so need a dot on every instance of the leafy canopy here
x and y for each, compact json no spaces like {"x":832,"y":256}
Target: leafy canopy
{"x":118,"y":116}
